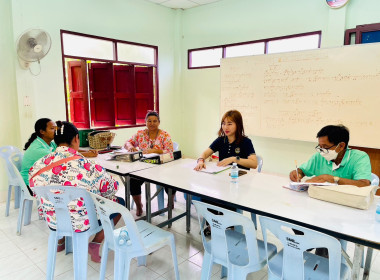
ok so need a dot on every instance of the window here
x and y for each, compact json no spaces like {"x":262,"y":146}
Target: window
{"x":210,"y":56}
{"x":109,"y":83}
{"x":363,"y":34}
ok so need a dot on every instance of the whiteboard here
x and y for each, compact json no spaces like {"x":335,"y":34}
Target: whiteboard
{"x":293,"y":95}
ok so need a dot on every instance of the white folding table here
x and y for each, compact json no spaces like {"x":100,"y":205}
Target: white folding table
{"x":264,"y":194}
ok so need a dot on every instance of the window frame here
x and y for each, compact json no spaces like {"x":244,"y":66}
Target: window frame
{"x":265,"y":41}
{"x":114,"y":61}
{"x":358,"y":31}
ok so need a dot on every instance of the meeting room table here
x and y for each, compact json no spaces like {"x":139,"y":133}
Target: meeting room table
{"x":264,"y":194}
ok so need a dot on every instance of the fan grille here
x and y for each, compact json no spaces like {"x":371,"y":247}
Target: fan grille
{"x":33,"y":45}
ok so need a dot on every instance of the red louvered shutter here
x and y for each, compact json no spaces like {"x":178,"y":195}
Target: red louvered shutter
{"x":124,"y":91}
{"x":144,"y":92}
{"x":101,"y":94}
{"x":78,"y":95}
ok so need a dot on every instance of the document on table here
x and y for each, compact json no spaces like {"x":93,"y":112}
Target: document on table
{"x":303,"y":186}
{"x":214,"y":169}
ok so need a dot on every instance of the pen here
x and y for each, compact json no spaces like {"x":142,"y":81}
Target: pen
{"x":298,"y":178}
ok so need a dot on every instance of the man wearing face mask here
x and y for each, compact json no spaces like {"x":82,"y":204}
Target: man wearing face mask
{"x":334,"y":162}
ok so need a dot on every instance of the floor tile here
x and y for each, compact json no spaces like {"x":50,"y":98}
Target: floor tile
{"x":187,"y":271}
{"x":92,"y":274}
{"x":29,"y":273}
{"x":14,"y":263}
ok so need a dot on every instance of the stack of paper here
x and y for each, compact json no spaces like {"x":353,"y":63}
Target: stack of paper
{"x":303,"y":186}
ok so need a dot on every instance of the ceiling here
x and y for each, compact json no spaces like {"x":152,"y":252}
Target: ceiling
{"x":182,"y":4}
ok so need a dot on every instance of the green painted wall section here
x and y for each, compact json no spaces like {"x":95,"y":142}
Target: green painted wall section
{"x":231,"y":21}
{"x":129,"y":20}
{"x":9,"y":124}
{"x":189,"y":99}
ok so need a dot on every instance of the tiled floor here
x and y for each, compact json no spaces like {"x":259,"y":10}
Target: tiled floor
{"x":24,"y":257}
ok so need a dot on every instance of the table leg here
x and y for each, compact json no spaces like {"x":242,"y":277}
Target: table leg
{"x":127,"y":185}
{"x":148,"y":202}
{"x":368,"y":262}
{"x":358,"y":255}
{"x":170,"y":211}
{"x":188,"y":212}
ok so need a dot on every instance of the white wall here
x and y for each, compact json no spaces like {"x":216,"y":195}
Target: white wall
{"x":9,"y":124}
{"x":189,"y":99}
{"x":130,"y":20}
{"x":232,"y":21}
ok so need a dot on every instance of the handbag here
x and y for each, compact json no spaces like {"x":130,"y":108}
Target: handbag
{"x":100,"y":139}
{"x":347,"y":195}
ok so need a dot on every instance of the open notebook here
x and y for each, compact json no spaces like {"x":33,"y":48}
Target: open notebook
{"x":303,"y":186}
{"x":212,"y":168}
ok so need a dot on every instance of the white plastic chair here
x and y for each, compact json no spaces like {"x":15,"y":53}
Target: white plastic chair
{"x":145,"y":238}
{"x":76,"y":242}
{"x":5,"y":153}
{"x":294,"y":262}
{"x":26,"y":200}
{"x":374,"y":182}
{"x":240,"y":253}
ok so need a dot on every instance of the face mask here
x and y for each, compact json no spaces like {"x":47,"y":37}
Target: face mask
{"x":331,"y":155}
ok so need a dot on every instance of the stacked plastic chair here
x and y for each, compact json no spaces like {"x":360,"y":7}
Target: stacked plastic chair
{"x":240,"y":252}
{"x":145,"y":238}
{"x":26,"y":200}
{"x":294,"y":262}
{"x":6,"y":152}
{"x":76,"y":242}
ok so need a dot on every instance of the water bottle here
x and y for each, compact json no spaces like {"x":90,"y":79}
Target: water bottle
{"x":124,"y":238}
{"x":378,"y":212}
{"x":234,"y":173}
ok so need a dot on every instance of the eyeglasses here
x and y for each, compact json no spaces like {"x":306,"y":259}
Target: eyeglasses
{"x":323,"y":150}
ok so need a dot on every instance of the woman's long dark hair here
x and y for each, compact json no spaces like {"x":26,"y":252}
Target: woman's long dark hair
{"x":65,"y":133}
{"x":41,"y":124}
{"x":236,"y":117}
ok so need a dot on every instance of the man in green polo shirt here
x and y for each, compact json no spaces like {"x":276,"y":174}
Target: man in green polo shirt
{"x":334,"y":162}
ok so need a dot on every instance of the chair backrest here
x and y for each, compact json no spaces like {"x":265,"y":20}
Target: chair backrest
{"x":295,"y":245}
{"x":175,"y":146}
{"x":6,"y":152}
{"x":374,"y":179}
{"x":260,"y":162}
{"x":60,"y":196}
{"x":15,"y":162}
{"x":217,"y":246}
{"x":105,"y":208}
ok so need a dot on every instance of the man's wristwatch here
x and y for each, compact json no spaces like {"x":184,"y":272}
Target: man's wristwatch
{"x":336,"y":179}
{"x":237,"y":158}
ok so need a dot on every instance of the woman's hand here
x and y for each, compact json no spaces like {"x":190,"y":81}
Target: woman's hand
{"x":149,"y":151}
{"x":90,"y":153}
{"x":226,"y":161}
{"x":200,"y":165}
{"x":132,"y":149}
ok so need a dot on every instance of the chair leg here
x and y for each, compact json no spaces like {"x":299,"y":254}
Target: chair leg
{"x":141,"y":261}
{"x":52,"y":253}
{"x":224,"y":272}
{"x":103,"y":264}
{"x":28,"y":211}
{"x":206,"y":266}
{"x":174,"y":256}
{"x":80,"y":255}
{"x":17,"y":196}
{"x":122,"y":263}
{"x":8,"y":201}
{"x":68,"y":245}
{"x":20,"y":216}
